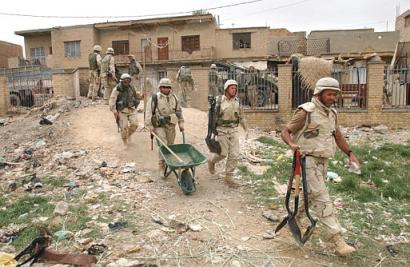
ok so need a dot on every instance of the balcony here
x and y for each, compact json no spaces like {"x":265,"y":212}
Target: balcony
{"x":156,"y":56}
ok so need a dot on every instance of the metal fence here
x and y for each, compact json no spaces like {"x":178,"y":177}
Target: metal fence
{"x":396,"y":92}
{"x":29,"y":86}
{"x":257,"y":89}
{"x":353,"y":85}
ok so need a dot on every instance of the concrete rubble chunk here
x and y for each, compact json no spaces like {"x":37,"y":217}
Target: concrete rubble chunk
{"x":61,"y":208}
{"x":381,"y":129}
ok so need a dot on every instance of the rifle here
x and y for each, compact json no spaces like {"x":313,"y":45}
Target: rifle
{"x":152,"y":142}
{"x":213,"y":145}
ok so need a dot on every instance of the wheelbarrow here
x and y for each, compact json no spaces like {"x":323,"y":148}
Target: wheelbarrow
{"x":181,"y":159}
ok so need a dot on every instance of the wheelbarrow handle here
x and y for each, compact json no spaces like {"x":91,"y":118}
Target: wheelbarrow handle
{"x":167,"y":147}
{"x":183,"y":137}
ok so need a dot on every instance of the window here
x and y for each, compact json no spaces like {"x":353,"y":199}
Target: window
{"x":162,"y":74}
{"x":72,"y":49}
{"x":407,"y":21}
{"x":121,"y":47}
{"x":241,"y":40}
{"x":37,"y":56}
{"x":190,"y":43}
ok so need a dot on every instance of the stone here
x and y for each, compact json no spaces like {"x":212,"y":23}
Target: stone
{"x":381,"y":129}
{"x":61,"y":208}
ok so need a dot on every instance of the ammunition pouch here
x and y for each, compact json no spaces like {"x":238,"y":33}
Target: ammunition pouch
{"x":160,"y":121}
{"x":227,"y":123}
{"x":120,"y":105}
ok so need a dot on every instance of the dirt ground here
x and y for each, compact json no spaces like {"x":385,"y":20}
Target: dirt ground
{"x":215,"y":226}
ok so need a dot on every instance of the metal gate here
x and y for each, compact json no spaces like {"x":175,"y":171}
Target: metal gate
{"x":29,"y":86}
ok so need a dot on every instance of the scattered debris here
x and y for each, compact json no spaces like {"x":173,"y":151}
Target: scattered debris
{"x":333,"y":177}
{"x":269,"y":215}
{"x":117,"y":225}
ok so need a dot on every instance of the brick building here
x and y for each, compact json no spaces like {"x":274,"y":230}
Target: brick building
{"x":9,"y":51}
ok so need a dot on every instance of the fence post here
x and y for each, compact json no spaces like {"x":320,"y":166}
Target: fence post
{"x":4,"y":96}
{"x":375,"y":84}
{"x":285,"y":89}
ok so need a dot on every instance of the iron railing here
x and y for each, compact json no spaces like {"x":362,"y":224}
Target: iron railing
{"x":257,"y":89}
{"x":29,"y":86}
{"x":396,"y":92}
{"x":353,"y":85}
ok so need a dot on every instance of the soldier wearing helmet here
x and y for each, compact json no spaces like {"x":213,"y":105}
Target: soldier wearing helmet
{"x":186,"y":86}
{"x":123,"y":102}
{"x":163,"y":114}
{"x":108,"y":72}
{"x":314,"y":131}
{"x":94,"y":61}
{"x":134,"y":69}
{"x":251,"y":80}
{"x":228,"y":117}
{"x":213,"y":80}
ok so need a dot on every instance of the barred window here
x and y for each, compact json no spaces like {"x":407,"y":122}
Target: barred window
{"x":37,"y":56}
{"x":190,"y":43}
{"x":241,"y":40}
{"x":162,"y":74}
{"x":121,"y":47}
{"x":72,"y":49}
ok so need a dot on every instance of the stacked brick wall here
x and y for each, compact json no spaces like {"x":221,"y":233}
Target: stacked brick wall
{"x":4,"y":96}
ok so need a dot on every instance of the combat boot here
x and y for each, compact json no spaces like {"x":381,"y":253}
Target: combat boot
{"x":211,"y":167}
{"x":231,"y":182}
{"x":342,"y":249}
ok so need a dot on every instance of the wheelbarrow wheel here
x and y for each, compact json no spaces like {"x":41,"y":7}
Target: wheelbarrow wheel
{"x":187,"y":182}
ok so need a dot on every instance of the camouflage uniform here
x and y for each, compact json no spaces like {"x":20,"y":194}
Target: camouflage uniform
{"x":316,"y":140}
{"x":125,"y":100}
{"x":252,"y":89}
{"x":94,"y":74}
{"x":186,"y":85}
{"x":230,"y":115}
{"x":213,"y":81}
{"x":168,"y":113}
{"x":108,"y":73}
{"x":134,"y":69}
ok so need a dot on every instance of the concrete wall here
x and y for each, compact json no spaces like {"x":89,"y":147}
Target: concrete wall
{"x":8,"y":51}
{"x":4,"y":96}
{"x":356,"y":41}
{"x":87,"y":37}
{"x":259,"y":43}
{"x":401,"y":28}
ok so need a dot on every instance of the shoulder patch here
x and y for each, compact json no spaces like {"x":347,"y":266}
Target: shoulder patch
{"x":308,"y":107}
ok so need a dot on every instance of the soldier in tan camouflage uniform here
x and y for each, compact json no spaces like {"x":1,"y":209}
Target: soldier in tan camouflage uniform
{"x":229,"y":116}
{"x":134,"y":70}
{"x":186,"y":86}
{"x":94,"y":60}
{"x":108,"y":72}
{"x":314,"y":131}
{"x":213,"y":80}
{"x":163,"y":114}
{"x":252,"y":90}
{"x":123,"y":103}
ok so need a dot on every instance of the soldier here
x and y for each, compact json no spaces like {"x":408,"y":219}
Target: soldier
{"x":108,"y":72}
{"x":228,"y":116}
{"x":162,"y":114}
{"x":314,"y":131}
{"x":94,"y":60}
{"x":186,"y":85}
{"x":213,"y":80}
{"x":124,"y":101}
{"x":134,"y":69}
{"x":252,"y":90}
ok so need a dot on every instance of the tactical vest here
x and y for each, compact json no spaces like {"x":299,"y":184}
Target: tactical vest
{"x":133,"y":69}
{"x":185,"y":74}
{"x":105,"y":63}
{"x":213,"y":77}
{"x":92,"y":61}
{"x":317,"y":137}
{"x":127,"y":98}
{"x":226,"y":116}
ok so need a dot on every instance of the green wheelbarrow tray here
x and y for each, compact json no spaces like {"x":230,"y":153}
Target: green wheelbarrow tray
{"x":184,"y":171}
